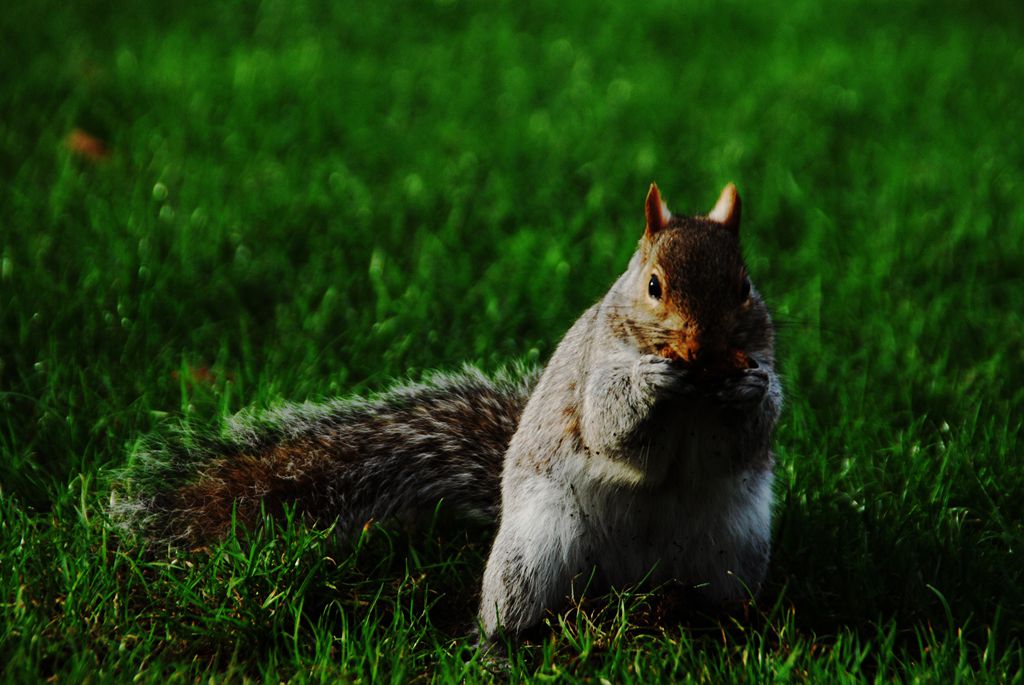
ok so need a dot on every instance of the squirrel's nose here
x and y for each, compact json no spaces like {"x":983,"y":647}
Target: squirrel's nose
{"x":691,"y":349}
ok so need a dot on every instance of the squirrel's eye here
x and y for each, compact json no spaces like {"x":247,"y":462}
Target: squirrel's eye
{"x":654,"y":287}
{"x":745,"y":289}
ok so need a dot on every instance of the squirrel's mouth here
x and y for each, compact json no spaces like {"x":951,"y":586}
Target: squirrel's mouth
{"x":705,"y":361}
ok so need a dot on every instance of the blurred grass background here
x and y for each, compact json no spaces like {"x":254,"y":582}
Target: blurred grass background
{"x":208,"y":206}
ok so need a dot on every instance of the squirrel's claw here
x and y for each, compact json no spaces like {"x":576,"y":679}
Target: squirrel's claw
{"x":668,"y":378}
{"x":744,"y":390}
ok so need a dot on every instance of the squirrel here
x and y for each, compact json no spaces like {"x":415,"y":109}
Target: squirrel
{"x":641,"y":451}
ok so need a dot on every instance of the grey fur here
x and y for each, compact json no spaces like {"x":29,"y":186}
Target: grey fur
{"x":636,"y":466}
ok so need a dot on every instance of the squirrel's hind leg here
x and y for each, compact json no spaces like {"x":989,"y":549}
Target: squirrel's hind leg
{"x":537,"y":552}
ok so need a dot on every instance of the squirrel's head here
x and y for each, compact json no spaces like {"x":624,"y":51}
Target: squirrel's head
{"x":694,"y":298}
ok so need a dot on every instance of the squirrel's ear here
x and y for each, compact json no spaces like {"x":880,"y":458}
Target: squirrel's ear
{"x":727,"y":209}
{"x":657,"y":212}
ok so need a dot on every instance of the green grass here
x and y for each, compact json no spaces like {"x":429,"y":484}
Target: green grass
{"x":310,"y":199}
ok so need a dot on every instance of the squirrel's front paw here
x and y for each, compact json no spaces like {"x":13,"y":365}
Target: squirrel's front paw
{"x":744,"y":390}
{"x":665,"y":377}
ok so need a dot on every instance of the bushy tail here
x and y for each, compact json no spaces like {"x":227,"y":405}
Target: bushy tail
{"x":350,"y":461}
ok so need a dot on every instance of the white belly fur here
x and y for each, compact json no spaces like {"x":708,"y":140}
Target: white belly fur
{"x":704,"y":523}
